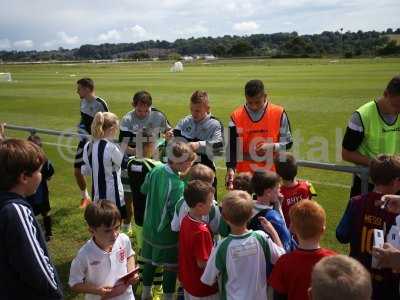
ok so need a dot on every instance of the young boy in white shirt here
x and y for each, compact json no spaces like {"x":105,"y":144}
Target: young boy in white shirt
{"x":105,"y":258}
{"x":240,"y":259}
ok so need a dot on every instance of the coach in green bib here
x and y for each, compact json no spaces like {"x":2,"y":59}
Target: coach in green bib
{"x":374,"y":128}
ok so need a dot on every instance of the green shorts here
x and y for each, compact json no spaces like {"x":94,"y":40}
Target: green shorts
{"x":166,"y":256}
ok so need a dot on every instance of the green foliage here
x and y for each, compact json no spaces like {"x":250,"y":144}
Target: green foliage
{"x":279,"y":44}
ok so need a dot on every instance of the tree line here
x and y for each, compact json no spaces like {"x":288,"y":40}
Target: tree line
{"x":277,"y":45}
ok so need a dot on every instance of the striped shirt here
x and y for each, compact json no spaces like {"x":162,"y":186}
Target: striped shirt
{"x":26,"y":269}
{"x":103,"y":160}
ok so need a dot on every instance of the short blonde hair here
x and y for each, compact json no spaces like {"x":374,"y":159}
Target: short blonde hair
{"x":103,"y":121}
{"x":237,"y":207}
{"x":307,"y":219}
{"x":180,"y":152}
{"x":201,"y":172}
{"x":340,"y":277}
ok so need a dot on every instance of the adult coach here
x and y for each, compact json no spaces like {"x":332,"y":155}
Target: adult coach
{"x":373,"y":129}
{"x":202,"y":131}
{"x":144,"y":118}
{"x":90,"y":105}
{"x":257,"y":129}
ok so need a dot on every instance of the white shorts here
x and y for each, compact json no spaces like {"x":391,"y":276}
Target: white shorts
{"x":190,"y":297}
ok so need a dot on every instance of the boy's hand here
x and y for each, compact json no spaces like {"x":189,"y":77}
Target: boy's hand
{"x":116,"y":291}
{"x":391,"y":203}
{"x":104,"y":291}
{"x":266,"y":225}
{"x":387,"y":256}
{"x":133,"y":279}
{"x":169,"y":135}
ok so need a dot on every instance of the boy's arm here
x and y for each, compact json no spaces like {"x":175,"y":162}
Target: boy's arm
{"x":268,"y":228}
{"x":28,"y":255}
{"x":211,"y":271}
{"x":275,"y":250}
{"x":144,"y":189}
{"x":344,"y":229}
{"x":177,"y":218}
{"x":88,"y":288}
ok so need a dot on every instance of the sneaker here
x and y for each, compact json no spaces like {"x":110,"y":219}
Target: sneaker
{"x":85,"y":202}
{"x":157,"y":292}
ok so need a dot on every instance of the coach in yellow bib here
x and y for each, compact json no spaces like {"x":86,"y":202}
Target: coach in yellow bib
{"x":373,"y":129}
{"x":256,"y":130}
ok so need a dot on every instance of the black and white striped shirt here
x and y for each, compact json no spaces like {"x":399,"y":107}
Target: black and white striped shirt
{"x":103,"y":161}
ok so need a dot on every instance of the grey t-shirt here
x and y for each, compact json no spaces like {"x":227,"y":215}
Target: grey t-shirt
{"x":131,"y":124}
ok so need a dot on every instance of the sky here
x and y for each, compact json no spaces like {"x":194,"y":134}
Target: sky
{"x":50,"y":24}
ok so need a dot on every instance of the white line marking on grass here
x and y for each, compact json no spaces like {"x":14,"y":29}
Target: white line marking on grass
{"x":339,"y":185}
{"x":59,"y":145}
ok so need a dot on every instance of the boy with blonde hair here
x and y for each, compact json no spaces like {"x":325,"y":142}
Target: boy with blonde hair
{"x":291,"y":276}
{"x":163,"y":187}
{"x":205,"y":174}
{"x":340,"y":277}
{"x":240,"y":259}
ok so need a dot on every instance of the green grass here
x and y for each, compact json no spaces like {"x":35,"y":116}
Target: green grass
{"x":318,"y":96}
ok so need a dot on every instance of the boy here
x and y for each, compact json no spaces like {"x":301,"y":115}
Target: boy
{"x":340,"y":277}
{"x":266,"y":187}
{"x":239,"y":260}
{"x":292,"y":190}
{"x":105,"y":258}
{"x":205,"y":174}
{"x":291,"y":276}
{"x":40,"y":200}
{"x":202,"y":131}
{"x":163,"y":187}
{"x":195,"y":242}
{"x":90,"y":105}
{"x":26,"y":269}
{"x":364,"y":214}
{"x":242,"y":181}
{"x":138,"y":167}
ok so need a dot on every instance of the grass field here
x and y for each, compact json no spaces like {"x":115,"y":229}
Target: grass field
{"x":318,"y":96}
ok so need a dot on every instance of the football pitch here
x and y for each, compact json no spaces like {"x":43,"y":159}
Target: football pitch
{"x":318,"y":95}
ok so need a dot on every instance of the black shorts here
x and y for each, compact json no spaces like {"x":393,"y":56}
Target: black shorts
{"x":79,"y":155}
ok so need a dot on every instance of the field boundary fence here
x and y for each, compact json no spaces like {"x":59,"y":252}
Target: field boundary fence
{"x":362,"y":172}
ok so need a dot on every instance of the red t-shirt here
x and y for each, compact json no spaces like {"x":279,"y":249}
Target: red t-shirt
{"x":195,"y":243}
{"x":292,"y":195}
{"x":291,"y":274}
